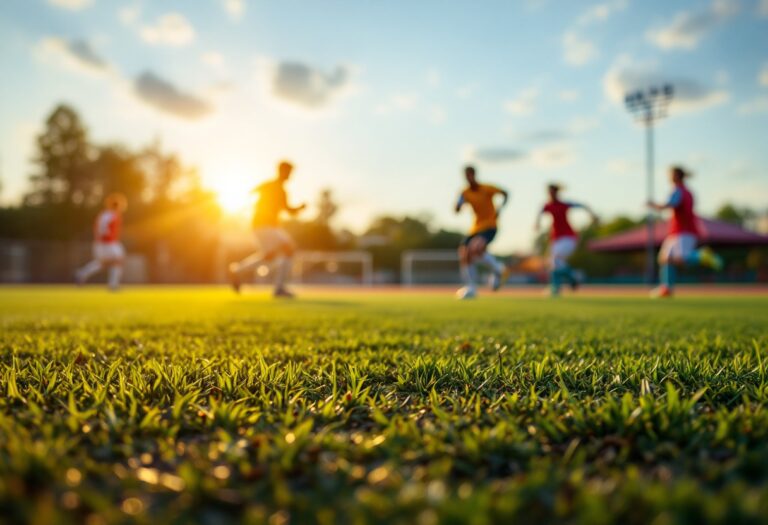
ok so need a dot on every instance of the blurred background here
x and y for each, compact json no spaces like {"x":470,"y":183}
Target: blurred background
{"x":186,"y":106}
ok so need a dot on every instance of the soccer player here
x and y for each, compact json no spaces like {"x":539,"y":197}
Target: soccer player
{"x":274,"y":244}
{"x":108,"y":252}
{"x":562,"y":238}
{"x":474,"y":246}
{"x":679,"y":247}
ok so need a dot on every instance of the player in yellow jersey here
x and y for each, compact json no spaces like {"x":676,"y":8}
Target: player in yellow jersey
{"x":274,"y":244}
{"x":473,"y":248}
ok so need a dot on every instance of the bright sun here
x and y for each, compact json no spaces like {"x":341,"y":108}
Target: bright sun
{"x":232,"y":198}
{"x":233,"y":191}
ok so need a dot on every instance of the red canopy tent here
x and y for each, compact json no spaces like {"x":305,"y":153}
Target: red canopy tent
{"x":712,"y":233}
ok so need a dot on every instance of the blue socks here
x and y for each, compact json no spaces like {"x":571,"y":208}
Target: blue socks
{"x":668,"y":272}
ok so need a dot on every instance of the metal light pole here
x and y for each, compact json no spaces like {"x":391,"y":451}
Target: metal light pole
{"x":648,"y":106}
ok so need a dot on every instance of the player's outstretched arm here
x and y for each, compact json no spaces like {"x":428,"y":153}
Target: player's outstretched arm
{"x":504,"y":199}
{"x":293,"y":210}
{"x":674,"y":201}
{"x":459,"y":203}
{"x":537,"y":224}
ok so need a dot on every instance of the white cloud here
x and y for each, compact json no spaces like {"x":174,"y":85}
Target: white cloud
{"x":551,"y":156}
{"x":234,"y":8}
{"x":689,"y":95}
{"x":75,"y":54}
{"x":762,"y":77}
{"x":164,"y":96}
{"x":399,"y":103}
{"x":524,"y":103}
{"x":129,"y":14}
{"x":437,"y":115}
{"x":621,"y":167}
{"x":581,"y":125}
{"x":171,"y":29}
{"x":214,"y":60}
{"x":569,"y":95}
{"x":73,"y":5}
{"x":601,"y":12}
{"x":304,"y":86}
{"x":762,"y":8}
{"x":577,"y":50}
{"x":688,"y":28}
{"x":755,"y":106}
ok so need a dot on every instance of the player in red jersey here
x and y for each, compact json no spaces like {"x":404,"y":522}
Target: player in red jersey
{"x":679,"y":247}
{"x":273,"y":242}
{"x":563,"y":238}
{"x":108,"y":252}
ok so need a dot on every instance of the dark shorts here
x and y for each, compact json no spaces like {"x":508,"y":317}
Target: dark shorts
{"x":488,"y":235}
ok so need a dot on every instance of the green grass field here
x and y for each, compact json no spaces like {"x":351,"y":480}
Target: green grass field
{"x":196,"y":406}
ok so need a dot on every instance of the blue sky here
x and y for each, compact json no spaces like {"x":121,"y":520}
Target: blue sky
{"x":384,"y":101}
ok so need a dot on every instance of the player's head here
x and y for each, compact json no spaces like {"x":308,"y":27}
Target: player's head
{"x":116,"y":202}
{"x":471,"y":175}
{"x":678,"y":174}
{"x":284,"y":170}
{"x":554,"y":190}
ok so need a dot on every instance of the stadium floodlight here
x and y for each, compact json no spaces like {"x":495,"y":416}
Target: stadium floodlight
{"x":648,"y":106}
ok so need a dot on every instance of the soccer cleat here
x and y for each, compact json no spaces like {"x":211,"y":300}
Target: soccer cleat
{"x":710,"y":259}
{"x":282,"y":293}
{"x":661,"y":292}
{"x":79,"y":280}
{"x":234,"y":278}
{"x":467,"y":292}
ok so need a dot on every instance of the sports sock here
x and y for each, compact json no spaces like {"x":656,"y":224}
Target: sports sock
{"x":668,"y":275}
{"x":694,"y":258}
{"x":89,"y":269}
{"x":567,"y":273}
{"x":491,"y":261}
{"x":284,"y":265}
{"x":468,"y":274}
{"x":115,"y":274}
{"x":554,"y":281}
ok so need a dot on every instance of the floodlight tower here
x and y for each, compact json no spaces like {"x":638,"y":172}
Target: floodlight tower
{"x":648,"y":106}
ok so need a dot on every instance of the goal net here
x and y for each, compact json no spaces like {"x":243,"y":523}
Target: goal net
{"x":337,"y":268}
{"x":429,"y":267}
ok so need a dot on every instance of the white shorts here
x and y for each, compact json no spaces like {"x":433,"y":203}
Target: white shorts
{"x":560,"y":250}
{"x":678,"y":246}
{"x":269,"y":239}
{"x":108,"y":251}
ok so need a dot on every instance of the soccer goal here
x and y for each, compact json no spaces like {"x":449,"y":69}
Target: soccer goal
{"x":429,"y":267}
{"x":343,"y":267}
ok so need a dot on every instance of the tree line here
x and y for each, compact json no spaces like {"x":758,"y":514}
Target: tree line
{"x":177,"y":225}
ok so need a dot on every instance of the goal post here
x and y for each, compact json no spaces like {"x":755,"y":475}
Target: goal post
{"x":410,"y":258}
{"x":332,"y":262}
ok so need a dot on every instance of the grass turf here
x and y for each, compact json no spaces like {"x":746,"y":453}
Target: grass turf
{"x":196,"y":406}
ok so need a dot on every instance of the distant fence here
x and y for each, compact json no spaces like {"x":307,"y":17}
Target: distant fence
{"x":34,"y":261}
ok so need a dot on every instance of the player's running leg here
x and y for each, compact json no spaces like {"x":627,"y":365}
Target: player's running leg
{"x":115,"y":274}
{"x":468,"y":271}
{"x":284,"y":264}
{"x":705,"y":257}
{"x":671,"y":251}
{"x":89,"y":270}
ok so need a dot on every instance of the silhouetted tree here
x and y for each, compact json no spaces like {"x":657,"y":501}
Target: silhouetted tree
{"x":63,"y":158}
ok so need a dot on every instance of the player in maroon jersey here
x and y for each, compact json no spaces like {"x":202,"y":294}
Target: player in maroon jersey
{"x":562,"y":237}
